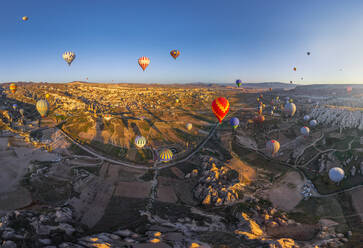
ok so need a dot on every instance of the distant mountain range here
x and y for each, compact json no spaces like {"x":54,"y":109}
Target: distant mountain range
{"x":273,"y":85}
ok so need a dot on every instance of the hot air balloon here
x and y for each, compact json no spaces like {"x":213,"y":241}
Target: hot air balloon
{"x":291,"y":100}
{"x":313,"y":123}
{"x":21,"y":111}
{"x":140,"y":141}
{"x":107,"y":117}
{"x":302,"y":78}
{"x":263,"y":105}
{"x":234,"y":122}
{"x":349,"y":89}
{"x":13,"y":88}
{"x":15,"y":106}
{"x":277,"y":98}
{"x":259,"y":109}
{"x":271,"y":112}
{"x":144,"y":62}
{"x":42,"y":107}
{"x":238,"y":82}
{"x":176,"y":100}
{"x":306,"y":118}
{"x":270,"y":89}
{"x":69,"y":57}
{"x":272,"y":147}
{"x":274,"y":108}
{"x":308,"y":53}
{"x":47,"y":95}
{"x":166,"y":155}
{"x":259,"y":119}
{"x":25,"y":18}
{"x":336,"y":174}
{"x":258,"y":99}
{"x":290,"y":109}
{"x":261,"y":96}
{"x":305,"y":131}
{"x":220,"y":107}
{"x":290,"y":82}
{"x":174,"y":53}
{"x":294,"y":69}
{"x":189,"y":126}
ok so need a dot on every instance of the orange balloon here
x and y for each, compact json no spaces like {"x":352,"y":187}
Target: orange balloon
{"x":144,"y":62}
{"x":220,"y":107}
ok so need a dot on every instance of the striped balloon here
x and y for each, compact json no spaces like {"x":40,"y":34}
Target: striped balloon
{"x":13,"y":88}
{"x":166,"y":155}
{"x":272,"y":147}
{"x":140,"y":141}
{"x":290,"y":109}
{"x":42,"y":107}
{"x":175,"y":53}
{"x":69,"y":57}
{"x":220,"y":107}
{"x":305,"y":131}
{"x":144,"y":62}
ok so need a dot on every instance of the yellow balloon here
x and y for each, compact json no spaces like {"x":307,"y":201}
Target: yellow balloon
{"x":25,"y":18}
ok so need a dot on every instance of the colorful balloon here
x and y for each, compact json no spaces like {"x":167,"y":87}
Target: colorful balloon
{"x":15,"y":106}
{"x":294,"y":69}
{"x":305,"y":131}
{"x":313,"y":123}
{"x":234,"y":122}
{"x":47,"y":95}
{"x":166,"y":155}
{"x":144,"y":62}
{"x":306,"y":118}
{"x":42,"y":107}
{"x":290,"y":109}
{"x":69,"y":57}
{"x":238,"y":82}
{"x":189,"y":126}
{"x":336,"y":174}
{"x":272,"y":147}
{"x":13,"y":88}
{"x":220,"y":107}
{"x":25,"y":18}
{"x":140,"y":141}
{"x":175,"y":53}
{"x":107,"y":117}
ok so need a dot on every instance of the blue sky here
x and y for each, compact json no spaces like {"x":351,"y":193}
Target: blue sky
{"x":219,"y":41}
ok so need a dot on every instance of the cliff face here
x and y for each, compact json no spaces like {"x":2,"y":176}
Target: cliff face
{"x":342,"y":118}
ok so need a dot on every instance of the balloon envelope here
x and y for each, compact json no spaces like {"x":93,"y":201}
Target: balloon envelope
{"x":306,"y":118}
{"x":144,"y":62}
{"x":290,"y":109}
{"x":42,"y":107}
{"x":305,"y":131}
{"x":13,"y":88}
{"x":238,"y":82}
{"x":166,"y":155}
{"x":175,"y":53}
{"x":313,"y":123}
{"x":189,"y":126}
{"x":69,"y":57}
{"x":25,"y":18}
{"x":220,"y":107}
{"x":336,"y":174}
{"x":272,"y":147}
{"x":140,"y":141}
{"x":234,"y":122}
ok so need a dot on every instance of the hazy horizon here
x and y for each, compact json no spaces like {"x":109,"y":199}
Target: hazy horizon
{"x":255,"y":41}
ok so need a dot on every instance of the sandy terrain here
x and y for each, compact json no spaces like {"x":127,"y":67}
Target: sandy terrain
{"x":357,"y":200}
{"x":246,"y":173}
{"x":14,"y":163}
{"x":286,"y":193}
